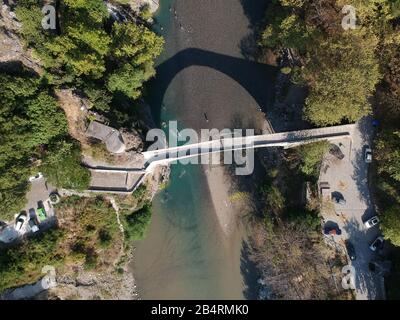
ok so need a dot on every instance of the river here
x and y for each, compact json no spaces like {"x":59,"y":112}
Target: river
{"x":186,"y":254}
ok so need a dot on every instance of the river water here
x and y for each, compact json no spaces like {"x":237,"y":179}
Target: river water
{"x":185,"y":254}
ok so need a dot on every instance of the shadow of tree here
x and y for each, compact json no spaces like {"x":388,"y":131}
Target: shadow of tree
{"x":255,"y":12}
{"x":360,"y":174}
{"x":250,"y":273}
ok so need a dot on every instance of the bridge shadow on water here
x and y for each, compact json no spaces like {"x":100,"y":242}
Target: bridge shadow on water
{"x":256,"y":78}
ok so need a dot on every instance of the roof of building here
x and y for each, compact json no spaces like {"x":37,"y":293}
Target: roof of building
{"x":110,"y":136}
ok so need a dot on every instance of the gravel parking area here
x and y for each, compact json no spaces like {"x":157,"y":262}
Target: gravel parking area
{"x":347,"y":178}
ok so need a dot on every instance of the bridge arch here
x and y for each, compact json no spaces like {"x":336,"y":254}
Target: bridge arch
{"x":256,"y":78}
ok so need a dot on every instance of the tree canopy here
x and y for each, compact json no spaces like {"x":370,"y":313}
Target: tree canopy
{"x":340,"y":67}
{"x":86,"y":53}
{"x":29,"y":118}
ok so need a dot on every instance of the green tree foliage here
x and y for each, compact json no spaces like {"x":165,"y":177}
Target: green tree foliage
{"x":343,"y":74}
{"x":274,"y":200}
{"x":94,"y":225}
{"x":340,"y":67}
{"x":127,"y":80}
{"x":137,"y":223}
{"x":29,"y":118}
{"x":134,"y":50}
{"x":84,"y":52}
{"x":390,"y":225}
{"x":311,"y":156}
{"x":388,"y":153}
{"x":83,"y":44}
{"x":23,"y":264}
{"x":62,"y":166}
{"x":99,"y":98}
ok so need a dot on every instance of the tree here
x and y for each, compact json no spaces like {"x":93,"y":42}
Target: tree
{"x":136,"y":223}
{"x":62,"y":166}
{"x":127,"y":80}
{"x":134,"y":49}
{"x":390,"y":225}
{"x":388,"y":153}
{"x":311,"y":156}
{"x":340,"y":68}
{"x":29,"y":118}
{"x":292,"y":265}
{"x":23,"y":264}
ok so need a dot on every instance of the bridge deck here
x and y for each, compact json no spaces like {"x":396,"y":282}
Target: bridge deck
{"x":128,"y":179}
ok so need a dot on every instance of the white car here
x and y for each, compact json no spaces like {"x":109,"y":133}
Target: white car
{"x":21,"y":220}
{"x":371,"y":222}
{"x":368,"y":155}
{"x":38,"y":176}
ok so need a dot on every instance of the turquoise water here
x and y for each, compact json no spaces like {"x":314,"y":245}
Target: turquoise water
{"x":183,"y":255}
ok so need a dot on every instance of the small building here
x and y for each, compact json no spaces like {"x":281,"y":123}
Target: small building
{"x":110,"y":136}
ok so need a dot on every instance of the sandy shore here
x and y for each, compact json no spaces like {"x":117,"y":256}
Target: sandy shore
{"x":219,"y":187}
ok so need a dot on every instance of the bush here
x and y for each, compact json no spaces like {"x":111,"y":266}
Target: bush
{"x":390,"y":225}
{"x":23,"y":264}
{"x":136,"y":223}
{"x":62,"y":166}
{"x":311,"y":157}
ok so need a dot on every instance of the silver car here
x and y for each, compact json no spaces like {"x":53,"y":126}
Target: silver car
{"x":368,"y":155}
{"x":371,"y":222}
{"x":21,"y":220}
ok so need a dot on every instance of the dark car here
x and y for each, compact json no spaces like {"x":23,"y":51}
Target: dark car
{"x":335,"y":151}
{"x":332,"y":230}
{"x":33,"y":225}
{"x":377,"y":244}
{"x":3,"y":225}
{"x":351,"y":251}
{"x":338,"y":198}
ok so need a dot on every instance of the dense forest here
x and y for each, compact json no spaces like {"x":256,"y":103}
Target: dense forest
{"x":103,"y":60}
{"x":349,"y":73}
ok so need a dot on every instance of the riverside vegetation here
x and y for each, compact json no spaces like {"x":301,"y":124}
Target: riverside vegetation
{"x":105,"y":61}
{"x":344,"y":71}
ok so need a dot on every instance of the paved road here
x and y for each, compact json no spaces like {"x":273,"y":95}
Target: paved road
{"x":349,"y":177}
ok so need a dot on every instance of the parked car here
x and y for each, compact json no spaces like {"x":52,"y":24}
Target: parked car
{"x":38,"y":176}
{"x":33,"y":225}
{"x":335,"y":151}
{"x":351,"y":251}
{"x":41,"y":213}
{"x":3,"y":225}
{"x":368,"y":155}
{"x":377,"y":244}
{"x":332,"y":230}
{"x":371,"y":222}
{"x":21,"y":220}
